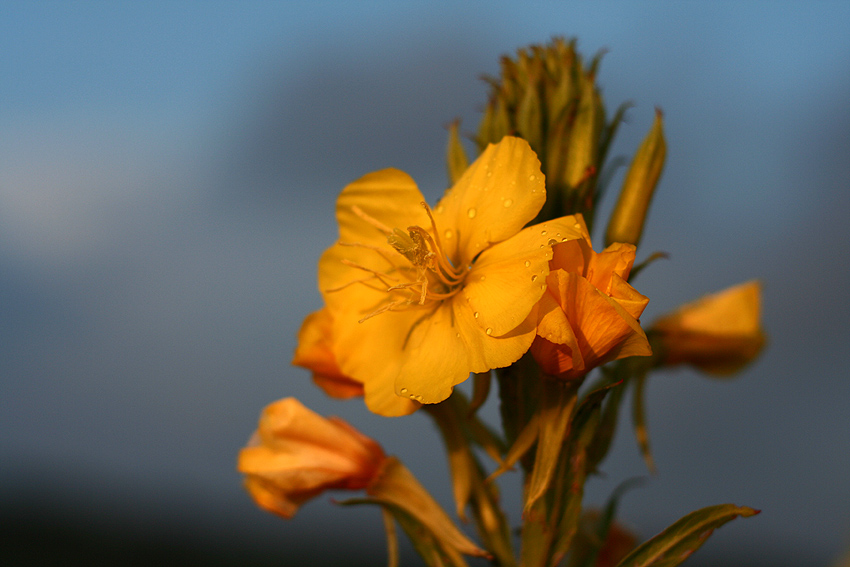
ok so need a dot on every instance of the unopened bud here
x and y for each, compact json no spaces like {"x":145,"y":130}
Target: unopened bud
{"x":455,"y":154}
{"x":626,"y":224}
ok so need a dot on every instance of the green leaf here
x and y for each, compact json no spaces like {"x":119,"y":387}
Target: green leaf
{"x":675,"y":544}
{"x":559,"y":402}
{"x":639,"y":418}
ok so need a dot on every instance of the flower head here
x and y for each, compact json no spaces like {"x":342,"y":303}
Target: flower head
{"x":718,"y":333}
{"x":296,"y":454}
{"x":589,"y":314}
{"x":421,"y":298}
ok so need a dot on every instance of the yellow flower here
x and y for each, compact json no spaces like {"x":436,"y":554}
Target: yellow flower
{"x":590,"y":314}
{"x":315,"y":354}
{"x":296,"y":454}
{"x":420,"y":298}
{"x":718,"y":333}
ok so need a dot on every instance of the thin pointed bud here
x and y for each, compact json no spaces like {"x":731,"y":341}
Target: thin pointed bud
{"x":626,"y":224}
{"x":529,"y":114}
{"x":455,"y":154}
{"x":583,"y":148}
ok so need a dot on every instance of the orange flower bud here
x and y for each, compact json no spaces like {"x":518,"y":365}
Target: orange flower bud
{"x":296,"y":454}
{"x":589,"y":314}
{"x":718,"y":333}
{"x":314,"y":353}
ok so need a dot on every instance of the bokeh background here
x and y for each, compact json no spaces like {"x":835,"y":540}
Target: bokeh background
{"x":167,"y":178}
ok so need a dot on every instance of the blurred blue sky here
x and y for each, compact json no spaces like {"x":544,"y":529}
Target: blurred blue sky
{"x":167,"y":179}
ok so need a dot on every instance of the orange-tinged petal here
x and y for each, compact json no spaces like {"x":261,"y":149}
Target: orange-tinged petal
{"x":296,"y":454}
{"x":617,"y":259}
{"x":314,"y":352}
{"x":598,"y":310}
{"x":510,"y":277}
{"x":719,"y":333}
{"x":497,"y":195}
{"x":628,"y":297}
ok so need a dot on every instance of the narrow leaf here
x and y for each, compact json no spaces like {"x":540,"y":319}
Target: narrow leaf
{"x":675,"y":544}
{"x":559,"y":402}
{"x":639,"y":418}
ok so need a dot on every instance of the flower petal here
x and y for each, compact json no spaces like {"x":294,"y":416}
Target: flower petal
{"x":388,"y":196}
{"x":617,"y":260}
{"x":448,"y":345}
{"x":372,"y":352}
{"x":314,"y":352}
{"x":496,"y":196}
{"x":508,"y":278}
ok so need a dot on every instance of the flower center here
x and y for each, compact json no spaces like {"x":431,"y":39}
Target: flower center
{"x":424,"y":276}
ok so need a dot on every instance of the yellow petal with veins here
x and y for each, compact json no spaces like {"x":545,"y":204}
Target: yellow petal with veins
{"x":510,"y":277}
{"x":496,"y":196}
{"x":447,"y":346}
{"x":388,"y":196}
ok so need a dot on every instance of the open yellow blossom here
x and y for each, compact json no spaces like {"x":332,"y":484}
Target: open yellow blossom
{"x":590,"y":314}
{"x":296,"y":454}
{"x":718,"y":333}
{"x":314,"y":352}
{"x":421,"y":298}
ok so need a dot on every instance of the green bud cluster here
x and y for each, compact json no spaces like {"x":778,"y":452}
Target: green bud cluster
{"x":549,"y":97}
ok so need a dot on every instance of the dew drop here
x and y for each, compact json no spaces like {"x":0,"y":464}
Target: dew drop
{"x":489,"y":331}
{"x":439,"y":209}
{"x":475,"y":314}
{"x":542,"y":233}
{"x":404,"y":391}
{"x":563,"y":240}
{"x":457,"y":335}
{"x":552,"y":242}
{"x":483,"y":278}
{"x":508,"y":203}
{"x":527,"y":263}
{"x":448,"y":234}
{"x":534,"y":278}
{"x":471,"y":213}
{"x":489,"y":174}
{"x":532,"y":177}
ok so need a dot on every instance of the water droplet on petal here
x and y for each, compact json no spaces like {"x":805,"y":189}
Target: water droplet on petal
{"x":471,"y":213}
{"x":404,"y":391}
{"x":527,"y":263}
{"x":534,"y":278}
{"x":508,"y":203}
{"x":475,"y":314}
{"x":457,"y":335}
{"x":448,"y":234}
{"x":564,"y":239}
{"x":552,"y":242}
{"x":542,"y":233}
{"x":489,"y":331}
{"x":439,"y":209}
{"x":489,"y":174}
{"x":532,"y":177}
